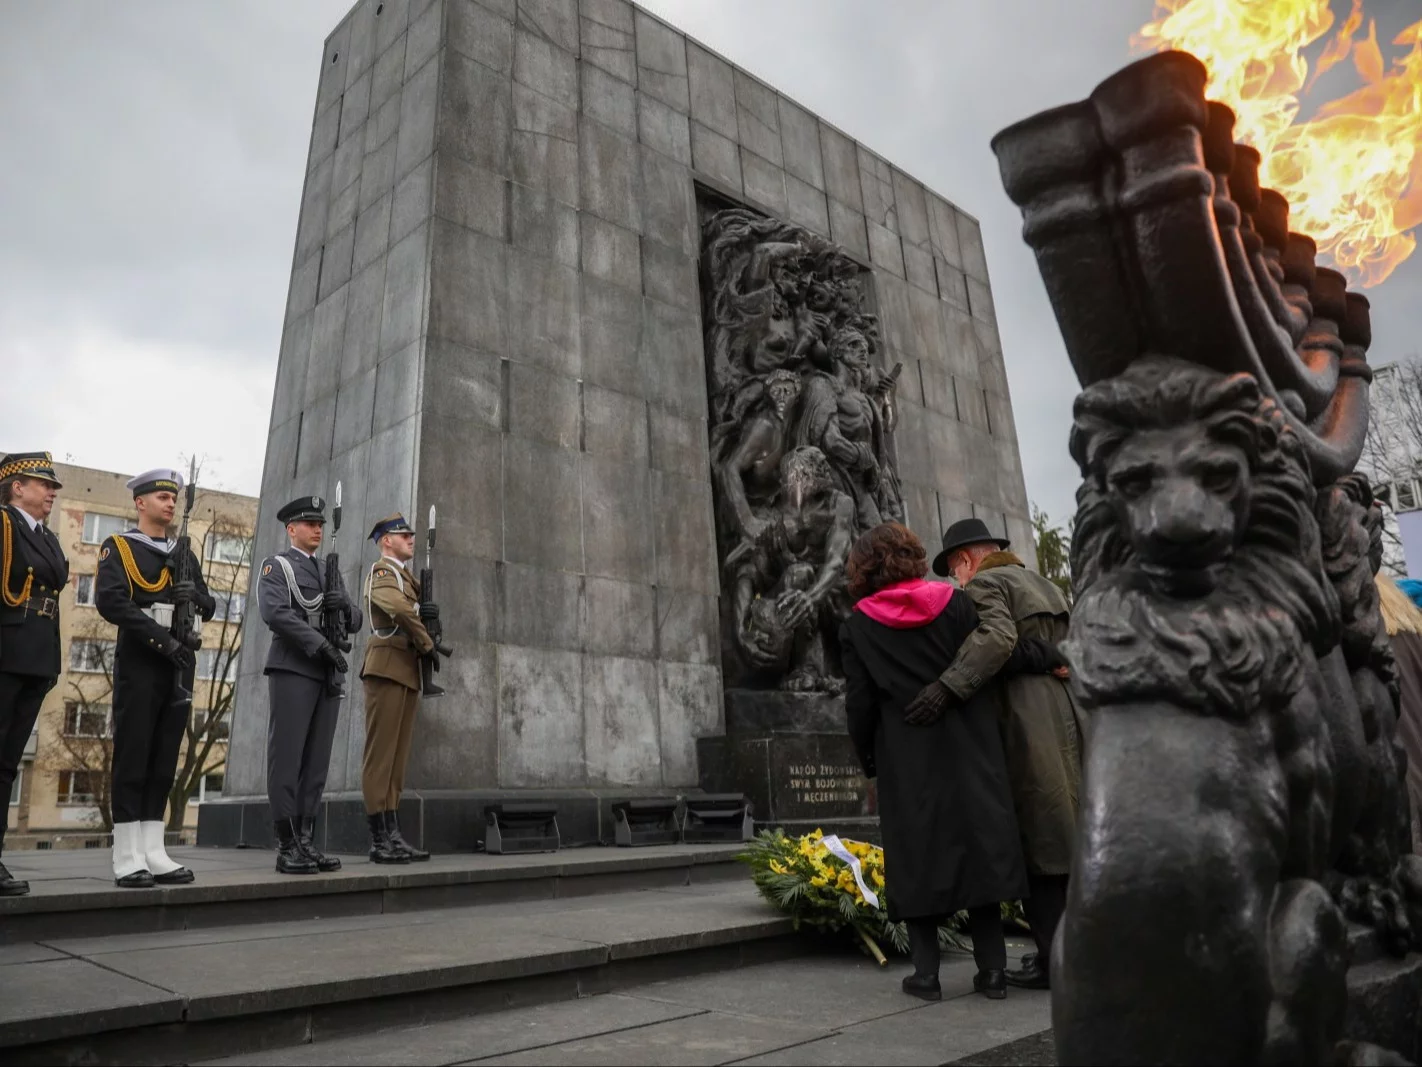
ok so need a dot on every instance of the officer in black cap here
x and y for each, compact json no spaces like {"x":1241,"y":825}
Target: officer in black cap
{"x":292,"y":591}
{"x":32,"y":572}
{"x":153,"y":670}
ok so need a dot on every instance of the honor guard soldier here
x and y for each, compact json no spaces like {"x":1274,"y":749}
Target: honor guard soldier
{"x":304,"y":673}
{"x":153,"y":670}
{"x":391,"y":676}
{"x":32,"y":572}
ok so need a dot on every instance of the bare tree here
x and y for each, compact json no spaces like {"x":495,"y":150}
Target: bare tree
{"x":86,"y":734}
{"x":1392,"y":453}
{"x":209,"y":727}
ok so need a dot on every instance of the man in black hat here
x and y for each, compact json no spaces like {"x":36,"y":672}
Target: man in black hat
{"x":1041,"y":732}
{"x":152,"y":676}
{"x":291,"y":593}
{"x":32,"y":572}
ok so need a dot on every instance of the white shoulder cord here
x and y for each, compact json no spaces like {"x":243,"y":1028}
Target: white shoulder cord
{"x":307,"y":605}
{"x":370,"y":614}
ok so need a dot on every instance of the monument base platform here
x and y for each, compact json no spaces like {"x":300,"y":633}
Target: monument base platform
{"x":438,"y":820}
{"x":790,"y":754}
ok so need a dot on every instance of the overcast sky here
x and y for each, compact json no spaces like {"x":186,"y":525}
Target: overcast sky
{"x":153,"y":153}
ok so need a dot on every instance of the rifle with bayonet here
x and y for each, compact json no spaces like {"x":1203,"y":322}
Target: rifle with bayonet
{"x":184,"y":627}
{"x":334,"y":623}
{"x":429,"y":615}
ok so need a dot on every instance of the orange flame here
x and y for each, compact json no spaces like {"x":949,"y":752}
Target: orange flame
{"x":1352,"y":173}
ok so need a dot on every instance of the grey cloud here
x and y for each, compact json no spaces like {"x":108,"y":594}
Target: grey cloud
{"x":155,"y":154}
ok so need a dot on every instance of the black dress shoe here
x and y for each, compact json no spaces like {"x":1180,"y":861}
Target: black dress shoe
{"x":923,"y":986}
{"x":397,"y":839}
{"x":136,"y":880}
{"x":11,"y":886}
{"x":991,"y":984}
{"x":305,"y":833}
{"x":1032,"y":974}
{"x":182,"y":876}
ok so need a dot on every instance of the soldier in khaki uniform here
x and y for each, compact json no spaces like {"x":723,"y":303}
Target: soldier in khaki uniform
{"x":391,"y":675}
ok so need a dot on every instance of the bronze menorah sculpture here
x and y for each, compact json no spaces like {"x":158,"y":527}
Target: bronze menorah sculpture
{"x":1242,"y":791}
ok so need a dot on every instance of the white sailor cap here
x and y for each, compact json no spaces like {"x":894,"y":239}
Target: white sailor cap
{"x":164,"y":479}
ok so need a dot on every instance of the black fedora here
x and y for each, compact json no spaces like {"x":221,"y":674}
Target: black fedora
{"x":962,"y":533}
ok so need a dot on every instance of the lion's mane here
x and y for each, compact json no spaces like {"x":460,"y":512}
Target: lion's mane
{"x":1241,"y":646}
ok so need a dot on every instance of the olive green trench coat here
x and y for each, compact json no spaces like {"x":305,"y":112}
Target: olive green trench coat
{"x":1040,"y":727}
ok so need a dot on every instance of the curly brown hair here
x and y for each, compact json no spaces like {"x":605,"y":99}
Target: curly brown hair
{"x":887,"y":554}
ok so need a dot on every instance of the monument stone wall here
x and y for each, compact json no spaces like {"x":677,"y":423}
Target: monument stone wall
{"x":495,"y":308}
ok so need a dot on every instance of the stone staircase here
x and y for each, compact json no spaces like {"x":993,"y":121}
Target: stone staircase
{"x":245,"y":960}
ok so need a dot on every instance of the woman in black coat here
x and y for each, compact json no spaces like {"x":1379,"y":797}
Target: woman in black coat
{"x":945,"y":808}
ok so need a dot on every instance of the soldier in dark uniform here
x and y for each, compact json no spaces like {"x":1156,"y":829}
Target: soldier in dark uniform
{"x":300,"y":669}
{"x":32,"y":572}
{"x":153,"y":676}
{"x":391,"y":675}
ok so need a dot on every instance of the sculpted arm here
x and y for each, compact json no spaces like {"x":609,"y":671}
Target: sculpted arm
{"x":987,"y":649}
{"x":755,"y":441}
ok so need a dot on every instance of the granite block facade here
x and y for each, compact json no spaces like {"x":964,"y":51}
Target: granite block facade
{"x":494,"y":308}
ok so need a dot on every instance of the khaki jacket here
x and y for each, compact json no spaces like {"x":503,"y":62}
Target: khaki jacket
{"x":1040,"y":728}
{"x":398,"y":638}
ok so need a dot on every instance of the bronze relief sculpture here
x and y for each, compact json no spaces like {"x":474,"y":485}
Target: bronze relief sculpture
{"x":1241,"y":790}
{"x":802,"y":417}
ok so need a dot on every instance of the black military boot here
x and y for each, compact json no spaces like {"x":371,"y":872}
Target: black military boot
{"x":397,"y":839}
{"x":304,"y":832}
{"x":382,"y":849}
{"x":11,"y":886}
{"x":291,"y":857}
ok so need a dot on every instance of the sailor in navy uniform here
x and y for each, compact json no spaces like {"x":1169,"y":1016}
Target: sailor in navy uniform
{"x":153,"y":676}
{"x":32,"y":572}
{"x":291,"y":592}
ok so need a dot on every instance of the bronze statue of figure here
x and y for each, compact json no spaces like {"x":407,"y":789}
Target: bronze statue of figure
{"x":788,"y":590}
{"x":802,"y":421}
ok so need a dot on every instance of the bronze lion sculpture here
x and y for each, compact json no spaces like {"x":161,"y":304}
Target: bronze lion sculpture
{"x":1238,"y":719}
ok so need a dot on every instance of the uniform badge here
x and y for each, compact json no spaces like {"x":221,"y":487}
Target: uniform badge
{"x":104,"y":554}
{"x":267,"y":569}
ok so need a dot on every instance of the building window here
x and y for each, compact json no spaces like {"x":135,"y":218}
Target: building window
{"x":1406,"y":496}
{"x":91,"y":721}
{"x":210,"y":660}
{"x":229,"y":606}
{"x":91,"y":657}
{"x":15,"y":785}
{"x":84,"y":591}
{"x":209,"y":788}
{"x":221,"y":730}
{"x":228,"y":548}
{"x":98,"y":528}
{"x":78,"y":787}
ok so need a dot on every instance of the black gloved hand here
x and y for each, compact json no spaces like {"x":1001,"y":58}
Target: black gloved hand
{"x":429,"y":612}
{"x":930,"y":704}
{"x":332,"y":655}
{"x":179,"y":655}
{"x":184,"y":592}
{"x":335,"y":600}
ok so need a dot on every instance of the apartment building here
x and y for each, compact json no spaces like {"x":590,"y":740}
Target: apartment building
{"x":60,"y":795}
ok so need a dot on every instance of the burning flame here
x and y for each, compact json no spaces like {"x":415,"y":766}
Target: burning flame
{"x":1353,"y":172}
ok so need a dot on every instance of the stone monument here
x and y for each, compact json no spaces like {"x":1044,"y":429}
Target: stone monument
{"x":1241,"y":788}
{"x":613,"y":304}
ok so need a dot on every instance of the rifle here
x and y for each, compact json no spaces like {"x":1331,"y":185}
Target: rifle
{"x":334,"y":624}
{"x":184,"y":626}
{"x":429,"y":662}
